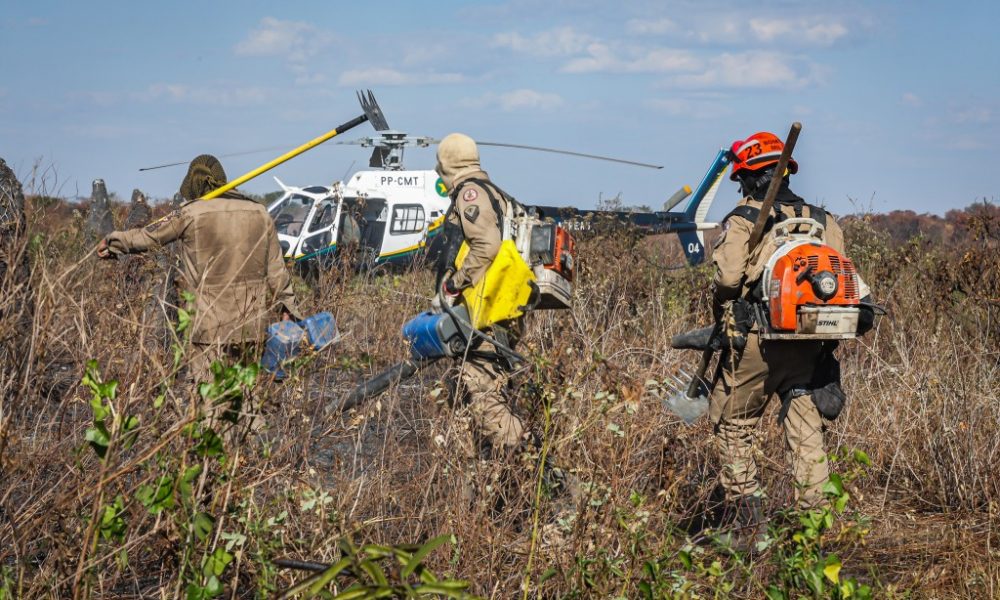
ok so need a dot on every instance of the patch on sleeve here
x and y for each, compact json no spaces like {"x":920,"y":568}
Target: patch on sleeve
{"x":722,"y":236}
{"x":471,"y":212}
{"x":470,"y":194}
{"x":170,"y":216}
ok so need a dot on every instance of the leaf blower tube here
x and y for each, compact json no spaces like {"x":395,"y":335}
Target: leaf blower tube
{"x":378,"y":384}
{"x":431,"y":336}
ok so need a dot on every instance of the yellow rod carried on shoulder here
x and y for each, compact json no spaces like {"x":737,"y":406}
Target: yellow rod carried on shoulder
{"x":372,"y":113}
{"x":286,"y":156}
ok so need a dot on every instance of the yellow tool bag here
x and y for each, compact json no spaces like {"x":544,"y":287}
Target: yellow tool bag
{"x":502,"y":291}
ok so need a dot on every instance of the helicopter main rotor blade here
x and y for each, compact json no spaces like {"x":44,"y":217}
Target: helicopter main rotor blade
{"x":231,"y":155}
{"x":372,"y":113}
{"x":373,"y":110}
{"x":570,"y":153}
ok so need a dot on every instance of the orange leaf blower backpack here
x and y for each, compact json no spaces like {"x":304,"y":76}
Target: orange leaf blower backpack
{"x":809,"y":290}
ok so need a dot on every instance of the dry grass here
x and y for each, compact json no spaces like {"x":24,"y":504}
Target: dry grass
{"x":923,"y":406}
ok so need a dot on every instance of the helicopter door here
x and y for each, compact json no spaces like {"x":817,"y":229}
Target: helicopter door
{"x":372,"y":215}
{"x":321,"y":234}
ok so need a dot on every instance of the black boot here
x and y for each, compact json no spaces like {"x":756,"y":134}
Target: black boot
{"x":747,"y":527}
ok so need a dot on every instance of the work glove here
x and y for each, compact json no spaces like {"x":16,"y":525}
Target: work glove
{"x":450,"y":294}
{"x":866,"y":316}
{"x":450,"y":289}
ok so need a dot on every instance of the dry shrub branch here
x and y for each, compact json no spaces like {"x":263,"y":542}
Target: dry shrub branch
{"x":167,"y":510}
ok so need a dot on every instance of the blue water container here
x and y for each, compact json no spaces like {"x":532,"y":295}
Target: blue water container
{"x":284,"y":342}
{"x":321,"y":330}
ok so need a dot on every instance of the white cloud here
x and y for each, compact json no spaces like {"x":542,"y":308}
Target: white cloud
{"x":305,"y":76}
{"x":755,"y":69}
{"x":650,"y":26}
{"x":225,"y":96}
{"x":390,"y":76}
{"x":602,"y":58}
{"x":297,"y":42}
{"x":966,"y":142}
{"x":715,"y":30}
{"x":294,"y":40}
{"x":911,"y":99}
{"x":976,"y":115}
{"x":561,"y":41}
{"x":588,"y":54}
{"x":517,"y":100}
{"x":810,"y":30}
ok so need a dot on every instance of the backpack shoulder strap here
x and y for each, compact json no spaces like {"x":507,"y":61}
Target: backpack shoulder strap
{"x":494,"y":193}
{"x":747,"y":212}
{"x":817,"y":214}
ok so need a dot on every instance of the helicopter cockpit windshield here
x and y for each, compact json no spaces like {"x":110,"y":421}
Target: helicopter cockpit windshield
{"x":290,"y":215}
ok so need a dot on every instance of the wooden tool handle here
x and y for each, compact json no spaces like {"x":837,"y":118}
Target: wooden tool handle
{"x":772,"y":189}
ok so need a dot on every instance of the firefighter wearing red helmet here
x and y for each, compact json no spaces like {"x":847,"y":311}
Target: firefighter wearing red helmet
{"x":752,"y":371}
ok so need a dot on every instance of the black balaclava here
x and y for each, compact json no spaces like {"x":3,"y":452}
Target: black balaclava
{"x":204,"y":174}
{"x":754,"y":184}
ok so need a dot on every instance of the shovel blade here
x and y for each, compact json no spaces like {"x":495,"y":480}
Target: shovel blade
{"x":686,"y":407}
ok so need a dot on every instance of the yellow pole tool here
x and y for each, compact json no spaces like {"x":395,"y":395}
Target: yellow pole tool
{"x":286,"y":156}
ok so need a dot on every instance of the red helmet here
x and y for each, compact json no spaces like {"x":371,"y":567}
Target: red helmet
{"x":758,"y":151}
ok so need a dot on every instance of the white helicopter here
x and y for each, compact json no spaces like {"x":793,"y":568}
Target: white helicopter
{"x":390,"y":216}
{"x":385,"y":216}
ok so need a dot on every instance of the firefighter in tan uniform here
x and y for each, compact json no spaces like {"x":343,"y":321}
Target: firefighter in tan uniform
{"x":478,"y":209}
{"x":747,"y":379}
{"x":230,"y":260}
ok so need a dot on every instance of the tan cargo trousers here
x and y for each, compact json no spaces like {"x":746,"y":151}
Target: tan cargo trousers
{"x":200,"y":358}
{"x":484,"y":380}
{"x":743,"y":386}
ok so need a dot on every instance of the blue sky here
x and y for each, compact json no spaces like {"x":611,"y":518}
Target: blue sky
{"x":900,"y":101}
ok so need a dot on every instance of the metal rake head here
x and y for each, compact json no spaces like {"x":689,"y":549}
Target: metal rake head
{"x":372,"y":110}
{"x":682,"y":405}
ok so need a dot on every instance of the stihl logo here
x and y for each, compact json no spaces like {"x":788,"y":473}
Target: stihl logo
{"x":828,"y":323}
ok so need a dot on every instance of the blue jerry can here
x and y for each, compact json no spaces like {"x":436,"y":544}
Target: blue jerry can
{"x":284,"y":342}
{"x":321,"y":330}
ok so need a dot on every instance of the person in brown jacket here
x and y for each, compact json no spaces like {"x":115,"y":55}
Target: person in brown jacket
{"x":230,"y":261}
{"x":479,"y":208}
{"x":748,"y":378}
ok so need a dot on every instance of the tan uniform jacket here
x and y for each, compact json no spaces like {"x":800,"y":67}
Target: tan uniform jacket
{"x":230,"y":259}
{"x":474,"y":212}
{"x":733,"y":257}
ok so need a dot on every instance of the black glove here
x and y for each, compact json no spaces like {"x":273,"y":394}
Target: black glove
{"x":827,"y":394}
{"x":450,"y":289}
{"x":866,"y":315}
